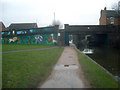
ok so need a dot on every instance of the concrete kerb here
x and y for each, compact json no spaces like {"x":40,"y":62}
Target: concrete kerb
{"x":99,"y":66}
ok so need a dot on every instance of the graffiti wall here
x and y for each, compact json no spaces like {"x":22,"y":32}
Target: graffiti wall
{"x":32,"y":39}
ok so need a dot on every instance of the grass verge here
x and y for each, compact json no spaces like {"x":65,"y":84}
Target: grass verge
{"x":0,"y":66}
{"x":28,"y":69}
{"x":12,"y":47}
{"x":95,"y":75}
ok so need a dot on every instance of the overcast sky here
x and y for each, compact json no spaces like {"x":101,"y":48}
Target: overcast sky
{"x":73,"y":12}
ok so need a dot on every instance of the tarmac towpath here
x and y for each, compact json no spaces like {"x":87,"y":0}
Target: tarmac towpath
{"x":66,"y":73}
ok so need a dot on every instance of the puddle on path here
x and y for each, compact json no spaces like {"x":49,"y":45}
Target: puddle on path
{"x":64,"y":76}
{"x":70,"y":57}
{"x":64,"y":67}
{"x":66,"y":73}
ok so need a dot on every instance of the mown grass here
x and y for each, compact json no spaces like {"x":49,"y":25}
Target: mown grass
{"x":12,"y":47}
{"x":28,"y":69}
{"x":0,"y":47}
{"x":95,"y":75}
{"x":0,"y":66}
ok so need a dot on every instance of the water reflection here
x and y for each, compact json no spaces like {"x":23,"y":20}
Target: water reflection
{"x":108,"y":58}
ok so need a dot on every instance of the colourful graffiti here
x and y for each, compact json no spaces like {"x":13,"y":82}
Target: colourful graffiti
{"x":12,"y":40}
{"x":32,"y":39}
{"x":53,"y":39}
{"x":39,"y":39}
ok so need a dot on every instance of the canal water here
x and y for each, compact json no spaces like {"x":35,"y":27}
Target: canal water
{"x":107,"y":57}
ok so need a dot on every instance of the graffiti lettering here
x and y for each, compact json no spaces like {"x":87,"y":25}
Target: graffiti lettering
{"x":32,"y":39}
{"x":39,"y":39}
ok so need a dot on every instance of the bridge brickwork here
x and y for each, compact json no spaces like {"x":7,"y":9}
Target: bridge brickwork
{"x":109,"y":34}
{"x":92,"y":29}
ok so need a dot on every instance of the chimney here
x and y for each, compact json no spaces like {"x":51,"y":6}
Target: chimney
{"x":105,"y":8}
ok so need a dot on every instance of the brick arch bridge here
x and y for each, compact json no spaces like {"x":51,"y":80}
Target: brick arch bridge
{"x":107,"y":34}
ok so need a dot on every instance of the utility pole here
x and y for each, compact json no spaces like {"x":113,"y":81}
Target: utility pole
{"x":54,"y":17}
{"x":119,"y":8}
{"x":119,"y":5}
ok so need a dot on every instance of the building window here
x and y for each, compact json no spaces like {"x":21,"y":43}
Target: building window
{"x":13,"y":32}
{"x":111,"y":20}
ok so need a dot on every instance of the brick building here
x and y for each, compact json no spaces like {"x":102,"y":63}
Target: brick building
{"x":109,"y":17}
{"x":18,"y":26}
{"x":2,"y":26}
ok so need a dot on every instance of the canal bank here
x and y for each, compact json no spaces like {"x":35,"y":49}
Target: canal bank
{"x":96,"y":76}
{"x":107,"y":57}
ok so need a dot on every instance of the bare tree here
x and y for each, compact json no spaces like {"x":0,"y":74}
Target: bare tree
{"x":116,"y":7}
{"x":57,"y":22}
